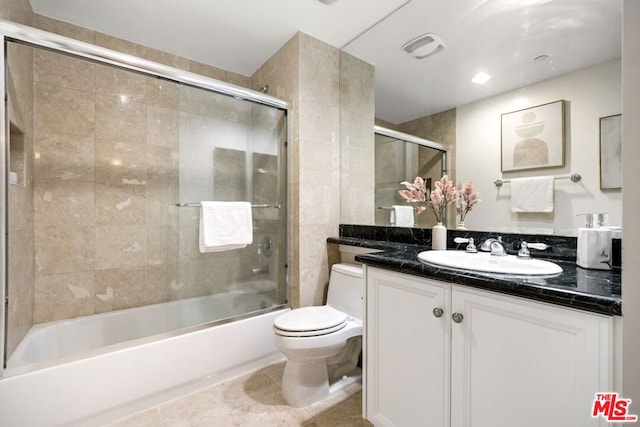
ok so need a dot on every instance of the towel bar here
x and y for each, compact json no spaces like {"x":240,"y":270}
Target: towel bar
{"x":198,"y":205}
{"x":575,"y":177}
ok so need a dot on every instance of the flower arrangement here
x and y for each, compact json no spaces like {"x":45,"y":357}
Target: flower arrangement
{"x":465,"y":201}
{"x":442,"y":196}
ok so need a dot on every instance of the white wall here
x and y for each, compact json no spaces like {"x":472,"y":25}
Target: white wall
{"x":631,"y":159}
{"x":590,"y":94}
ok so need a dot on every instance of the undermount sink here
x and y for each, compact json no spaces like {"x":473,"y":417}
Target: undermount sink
{"x":487,"y":263}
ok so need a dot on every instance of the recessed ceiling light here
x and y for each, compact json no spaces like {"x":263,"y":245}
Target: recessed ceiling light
{"x":481,"y":78}
{"x":541,"y":58}
{"x":327,"y":1}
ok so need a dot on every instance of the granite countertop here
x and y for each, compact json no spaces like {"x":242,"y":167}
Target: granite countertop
{"x":592,"y":290}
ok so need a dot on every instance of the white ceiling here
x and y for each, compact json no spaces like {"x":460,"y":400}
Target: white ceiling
{"x":500,"y":37}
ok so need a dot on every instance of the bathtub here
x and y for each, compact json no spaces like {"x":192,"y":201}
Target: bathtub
{"x":93,"y":369}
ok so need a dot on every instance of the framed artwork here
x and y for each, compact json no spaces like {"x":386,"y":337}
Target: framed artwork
{"x":533,"y":138}
{"x":611,"y":152}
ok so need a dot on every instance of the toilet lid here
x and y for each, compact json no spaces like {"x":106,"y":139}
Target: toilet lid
{"x":309,"y":321}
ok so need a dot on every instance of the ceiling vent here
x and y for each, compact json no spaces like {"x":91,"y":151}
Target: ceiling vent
{"x":424,"y":46}
{"x":327,"y":1}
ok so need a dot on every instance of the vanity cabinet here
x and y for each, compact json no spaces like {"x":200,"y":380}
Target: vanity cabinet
{"x":439,"y":354}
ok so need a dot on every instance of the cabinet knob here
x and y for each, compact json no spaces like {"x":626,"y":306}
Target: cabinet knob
{"x":457,"y":317}
{"x":438,"y":312}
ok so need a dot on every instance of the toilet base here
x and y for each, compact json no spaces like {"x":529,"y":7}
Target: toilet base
{"x":305,"y":382}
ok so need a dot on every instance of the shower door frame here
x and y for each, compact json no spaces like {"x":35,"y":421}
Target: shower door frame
{"x":13,"y":32}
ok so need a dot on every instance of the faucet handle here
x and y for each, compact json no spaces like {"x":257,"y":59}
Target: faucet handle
{"x":538,"y":246}
{"x":524,"y":253}
{"x":471,"y":247}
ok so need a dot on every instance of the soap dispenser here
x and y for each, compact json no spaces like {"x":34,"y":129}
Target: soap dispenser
{"x":594,"y":243}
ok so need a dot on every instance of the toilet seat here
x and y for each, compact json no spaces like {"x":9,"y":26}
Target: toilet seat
{"x":310,"y":322}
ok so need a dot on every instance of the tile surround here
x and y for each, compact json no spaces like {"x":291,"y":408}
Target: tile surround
{"x":106,"y":179}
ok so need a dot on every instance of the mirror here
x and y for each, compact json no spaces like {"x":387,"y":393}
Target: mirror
{"x":401,"y":157}
{"x":591,"y":90}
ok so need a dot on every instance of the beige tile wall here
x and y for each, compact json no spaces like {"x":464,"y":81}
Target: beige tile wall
{"x":116,"y":150}
{"x":21,"y":205}
{"x":305,"y":72}
{"x":357,"y":109}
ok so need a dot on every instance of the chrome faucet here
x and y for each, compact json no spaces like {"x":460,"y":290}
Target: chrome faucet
{"x":495,"y":246}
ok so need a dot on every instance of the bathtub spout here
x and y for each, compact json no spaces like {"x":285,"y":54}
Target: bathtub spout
{"x":259,"y":270}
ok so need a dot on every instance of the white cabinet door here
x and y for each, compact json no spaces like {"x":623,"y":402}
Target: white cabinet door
{"x":521,"y":363}
{"x":407,"y":350}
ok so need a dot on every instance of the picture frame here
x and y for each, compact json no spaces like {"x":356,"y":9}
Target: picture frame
{"x":533,"y":138}
{"x":611,"y":152}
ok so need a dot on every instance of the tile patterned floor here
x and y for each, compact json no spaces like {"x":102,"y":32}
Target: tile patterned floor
{"x":251,"y":400}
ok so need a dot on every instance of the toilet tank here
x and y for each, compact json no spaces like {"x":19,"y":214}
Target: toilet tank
{"x":346,"y":289}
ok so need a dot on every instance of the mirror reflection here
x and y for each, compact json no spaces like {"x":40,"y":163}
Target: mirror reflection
{"x":400,"y":157}
{"x":473,"y":132}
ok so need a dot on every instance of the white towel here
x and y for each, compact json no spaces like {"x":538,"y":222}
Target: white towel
{"x":532,"y":194}
{"x":401,"y":216}
{"x":225,"y":226}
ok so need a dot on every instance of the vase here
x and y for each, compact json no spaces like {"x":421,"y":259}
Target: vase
{"x":439,"y":237}
{"x":460,"y":226}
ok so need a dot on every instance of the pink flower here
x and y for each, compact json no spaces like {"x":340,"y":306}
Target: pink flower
{"x":467,"y":198}
{"x":442,"y":196}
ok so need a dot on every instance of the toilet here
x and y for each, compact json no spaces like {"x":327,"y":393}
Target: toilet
{"x":323,"y":343}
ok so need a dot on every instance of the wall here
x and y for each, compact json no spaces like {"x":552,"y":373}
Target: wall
{"x":84,"y":259}
{"x":305,"y":72}
{"x":357,"y":111}
{"x":20,"y":235}
{"x":631,"y":226}
{"x":591,"y":93}
{"x":108,"y":172}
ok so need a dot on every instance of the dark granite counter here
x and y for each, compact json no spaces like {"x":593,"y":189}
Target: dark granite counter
{"x":592,"y":290}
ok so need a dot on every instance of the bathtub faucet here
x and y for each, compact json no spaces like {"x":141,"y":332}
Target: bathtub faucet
{"x":259,"y":270}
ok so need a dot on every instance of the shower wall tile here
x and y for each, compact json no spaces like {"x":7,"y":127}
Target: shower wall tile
{"x":64,"y":157}
{"x":20,"y":234}
{"x":160,"y":196}
{"x":163,"y":126}
{"x":63,"y":111}
{"x":127,"y":86}
{"x":357,"y":110}
{"x":157,"y":245}
{"x":118,"y":120}
{"x":132,"y":243}
{"x":156,"y":287}
{"x":61,"y":203}
{"x":229,"y":174}
{"x":119,"y":162}
{"x":208,"y":70}
{"x":64,"y":71}
{"x":119,"y":288}
{"x":120,"y":246}
{"x":163,"y":93}
{"x":21,"y":287}
{"x":64,"y":29}
{"x":63,"y":296}
{"x":64,"y":249}
{"x":120,"y":204}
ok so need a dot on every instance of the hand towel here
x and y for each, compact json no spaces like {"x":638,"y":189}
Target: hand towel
{"x":532,"y":194}
{"x":225,"y":226}
{"x":401,"y":216}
